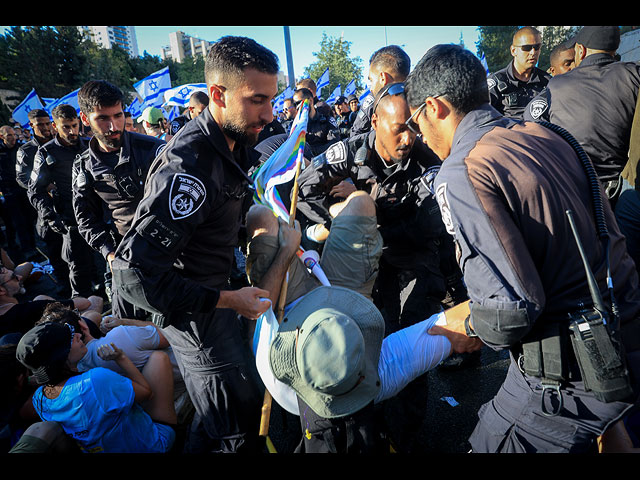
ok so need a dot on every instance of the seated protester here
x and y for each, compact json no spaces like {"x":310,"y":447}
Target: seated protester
{"x":100,"y":409}
{"x":138,"y":339}
{"x":349,"y":260}
{"x":29,"y":271}
{"x":17,"y":318}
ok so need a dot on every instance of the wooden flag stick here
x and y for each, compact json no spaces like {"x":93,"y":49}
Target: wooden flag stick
{"x":266,"y":403}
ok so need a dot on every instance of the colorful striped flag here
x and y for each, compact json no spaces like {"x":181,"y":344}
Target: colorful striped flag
{"x":281,"y":166}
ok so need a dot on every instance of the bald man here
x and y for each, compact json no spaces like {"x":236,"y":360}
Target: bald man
{"x":512,"y":88}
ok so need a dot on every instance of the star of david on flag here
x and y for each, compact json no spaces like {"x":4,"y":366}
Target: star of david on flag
{"x":21,"y":112}
{"x":151,"y":89}
{"x":179,"y":96}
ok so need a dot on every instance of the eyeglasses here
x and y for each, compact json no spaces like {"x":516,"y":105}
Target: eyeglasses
{"x":393,"y":89}
{"x":12,"y":277}
{"x":411,"y":124}
{"x":527,"y":48}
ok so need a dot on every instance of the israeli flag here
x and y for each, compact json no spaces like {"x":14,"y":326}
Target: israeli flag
{"x":21,"y":112}
{"x":70,"y":98}
{"x":172,"y":113}
{"x":179,"y":96}
{"x":151,"y":89}
{"x":134,"y":108}
{"x":364,"y":95}
{"x":350,"y":89}
{"x":323,"y":81}
{"x":334,"y":95}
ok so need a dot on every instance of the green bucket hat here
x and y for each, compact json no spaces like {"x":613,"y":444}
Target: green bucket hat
{"x":327,"y":350}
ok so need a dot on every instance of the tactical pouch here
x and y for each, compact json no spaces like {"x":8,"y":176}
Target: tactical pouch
{"x":599,"y":357}
{"x":546,"y":355}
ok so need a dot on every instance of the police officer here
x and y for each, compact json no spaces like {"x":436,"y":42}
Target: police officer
{"x":504,"y":190}
{"x":176,"y":258}
{"x":50,"y":192}
{"x":397,"y":171}
{"x":595,"y":102}
{"x":389,"y":64}
{"x":15,"y":207}
{"x":513,"y":87}
{"x":343,"y":117}
{"x":40,"y":123}
{"x":108,"y":178}
{"x":322,"y":130}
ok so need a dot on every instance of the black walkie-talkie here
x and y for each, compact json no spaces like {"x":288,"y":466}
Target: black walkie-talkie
{"x":598,"y":354}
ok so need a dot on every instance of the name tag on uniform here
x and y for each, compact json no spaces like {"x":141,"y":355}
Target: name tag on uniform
{"x":158,"y":233}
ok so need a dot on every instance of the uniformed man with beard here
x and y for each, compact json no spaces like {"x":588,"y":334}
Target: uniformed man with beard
{"x":108,"y":178}
{"x":51,"y":194}
{"x":176,"y":259}
{"x":40,"y":123}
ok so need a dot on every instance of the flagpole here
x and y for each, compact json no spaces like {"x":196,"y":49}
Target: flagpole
{"x":266,"y":404}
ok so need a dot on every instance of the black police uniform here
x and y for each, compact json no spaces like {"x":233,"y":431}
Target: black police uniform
{"x":362,"y":122}
{"x":15,"y":208}
{"x":52,"y":240}
{"x":175,"y":260}
{"x":321,"y":132}
{"x":509,"y":95}
{"x":52,"y":165}
{"x":595,"y":102}
{"x":107,"y":188}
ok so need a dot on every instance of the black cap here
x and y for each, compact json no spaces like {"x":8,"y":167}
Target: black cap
{"x":598,"y":38}
{"x":351,"y":98}
{"x":44,"y":349}
{"x":340,"y":100}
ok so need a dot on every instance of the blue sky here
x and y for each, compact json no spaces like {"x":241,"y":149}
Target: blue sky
{"x":305,"y":40}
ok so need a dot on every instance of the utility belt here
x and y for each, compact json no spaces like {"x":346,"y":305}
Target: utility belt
{"x":584,"y":340}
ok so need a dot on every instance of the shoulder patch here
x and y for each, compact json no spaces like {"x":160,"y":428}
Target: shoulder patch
{"x":537,"y":108}
{"x":336,"y":153}
{"x":491,"y":82}
{"x":445,"y":211}
{"x":186,"y":195}
{"x":368,"y":100}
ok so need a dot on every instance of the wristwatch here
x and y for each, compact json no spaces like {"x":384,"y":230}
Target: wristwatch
{"x":469,"y":331}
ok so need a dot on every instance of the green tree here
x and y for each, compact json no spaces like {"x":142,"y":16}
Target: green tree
{"x":552,"y":36}
{"x":335,"y":54}
{"x":494,"y":42}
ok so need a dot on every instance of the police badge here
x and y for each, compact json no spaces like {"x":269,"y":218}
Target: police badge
{"x":186,"y":195}
{"x":537,"y":108}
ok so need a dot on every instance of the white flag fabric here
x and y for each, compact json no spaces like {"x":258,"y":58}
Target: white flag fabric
{"x":179,"y":96}
{"x":151,"y":89}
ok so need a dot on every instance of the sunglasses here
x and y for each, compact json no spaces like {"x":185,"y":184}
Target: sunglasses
{"x":393,"y":89}
{"x":527,"y":48}
{"x":411,"y":123}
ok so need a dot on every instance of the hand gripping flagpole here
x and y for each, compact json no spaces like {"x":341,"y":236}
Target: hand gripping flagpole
{"x":266,"y":404}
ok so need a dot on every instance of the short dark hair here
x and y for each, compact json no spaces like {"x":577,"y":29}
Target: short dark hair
{"x":64,"y":111}
{"x":200,"y":97}
{"x":305,"y":93}
{"x":37,"y":113}
{"x":449,"y":70}
{"x":230,"y":56}
{"x":98,"y":93}
{"x":558,"y":49}
{"x":392,"y":59}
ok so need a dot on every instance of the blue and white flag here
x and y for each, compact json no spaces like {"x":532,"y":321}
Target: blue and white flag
{"x":134,"y":108}
{"x":151,"y":89}
{"x":70,"y":98}
{"x":350,"y":89}
{"x":337,"y":92}
{"x":171,"y":113}
{"x":364,"y":94}
{"x":483,"y":60}
{"x":323,"y":81}
{"x":21,"y":112}
{"x":179,"y":96}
